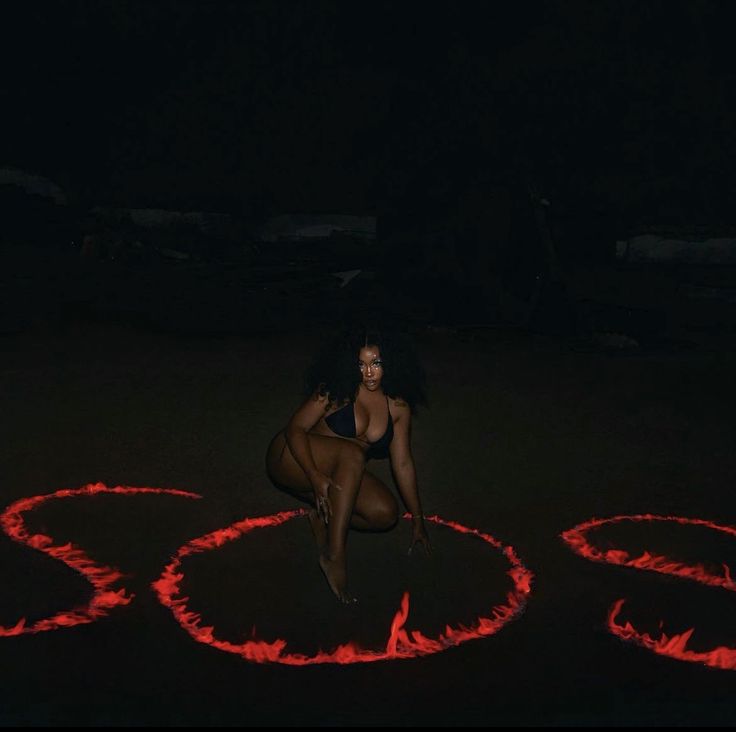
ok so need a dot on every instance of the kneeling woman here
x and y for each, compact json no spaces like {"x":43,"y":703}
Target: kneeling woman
{"x":362,"y":391}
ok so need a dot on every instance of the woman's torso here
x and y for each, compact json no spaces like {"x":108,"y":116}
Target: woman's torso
{"x":370,"y":419}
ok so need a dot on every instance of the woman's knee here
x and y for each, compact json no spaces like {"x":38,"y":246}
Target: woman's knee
{"x":384,"y":514}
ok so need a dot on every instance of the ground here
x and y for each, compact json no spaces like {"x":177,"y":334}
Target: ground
{"x":525,"y":437}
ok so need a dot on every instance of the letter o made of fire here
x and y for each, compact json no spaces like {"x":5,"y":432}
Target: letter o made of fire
{"x":675,"y":646}
{"x":401,"y":643}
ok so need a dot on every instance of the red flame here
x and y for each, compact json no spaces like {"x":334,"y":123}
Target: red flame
{"x":101,"y":577}
{"x":674,"y":646}
{"x":401,"y":643}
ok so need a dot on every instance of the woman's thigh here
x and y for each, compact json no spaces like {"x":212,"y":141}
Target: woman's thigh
{"x":376,"y":503}
{"x":285,"y":471}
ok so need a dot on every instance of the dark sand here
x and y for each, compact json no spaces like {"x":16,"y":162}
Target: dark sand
{"x":525,"y":437}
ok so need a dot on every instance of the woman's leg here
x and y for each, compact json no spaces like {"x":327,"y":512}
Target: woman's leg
{"x":376,"y":508}
{"x":344,"y":462}
{"x":364,"y":504}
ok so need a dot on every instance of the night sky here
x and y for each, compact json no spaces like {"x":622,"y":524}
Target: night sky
{"x":258,"y":108}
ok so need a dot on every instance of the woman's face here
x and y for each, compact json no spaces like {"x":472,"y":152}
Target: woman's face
{"x":371,"y":367}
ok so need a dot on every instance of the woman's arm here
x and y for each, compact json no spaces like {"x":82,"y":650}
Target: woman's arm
{"x":404,"y":472}
{"x":296,"y":438}
{"x":308,"y":414}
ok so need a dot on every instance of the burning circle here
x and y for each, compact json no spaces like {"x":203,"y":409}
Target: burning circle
{"x":101,"y":577}
{"x":401,"y":643}
{"x":674,"y":646}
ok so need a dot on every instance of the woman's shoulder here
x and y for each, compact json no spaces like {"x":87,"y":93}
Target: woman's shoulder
{"x":326,"y":401}
{"x":321,"y":398}
{"x":399,"y":405}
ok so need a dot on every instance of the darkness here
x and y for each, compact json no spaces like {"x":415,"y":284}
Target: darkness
{"x":510,"y":157}
{"x":611,"y":106}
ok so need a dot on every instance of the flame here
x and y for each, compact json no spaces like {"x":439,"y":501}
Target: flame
{"x":101,"y":577}
{"x":675,"y":646}
{"x":401,"y":643}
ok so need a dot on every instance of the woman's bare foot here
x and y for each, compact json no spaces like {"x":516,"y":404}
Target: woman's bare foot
{"x":336,"y":575}
{"x":319,"y":529}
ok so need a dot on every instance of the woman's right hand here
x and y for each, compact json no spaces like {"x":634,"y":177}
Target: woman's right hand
{"x":321,"y":486}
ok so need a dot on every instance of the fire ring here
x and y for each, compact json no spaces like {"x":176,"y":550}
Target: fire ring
{"x":674,"y":646}
{"x":101,"y":577}
{"x":401,"y":643}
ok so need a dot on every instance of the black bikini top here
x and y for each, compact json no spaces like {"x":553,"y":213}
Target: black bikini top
{"x":342,"y":422}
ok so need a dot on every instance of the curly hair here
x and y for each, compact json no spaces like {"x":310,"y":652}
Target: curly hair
{"x":334,"y":372}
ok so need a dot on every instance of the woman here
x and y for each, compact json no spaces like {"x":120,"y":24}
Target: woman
{"x":363,"y":389}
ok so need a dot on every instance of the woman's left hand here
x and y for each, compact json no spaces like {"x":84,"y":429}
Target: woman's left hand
{"x":419,"y":536}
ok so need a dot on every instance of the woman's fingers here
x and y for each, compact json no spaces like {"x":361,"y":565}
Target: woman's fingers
{"x":324,"y":504}
{"x":324,"y":508}
{"x":347,"y":599}
{"x":424,"y":541}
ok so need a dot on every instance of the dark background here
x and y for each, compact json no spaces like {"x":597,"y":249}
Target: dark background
{"x":622,"y":108}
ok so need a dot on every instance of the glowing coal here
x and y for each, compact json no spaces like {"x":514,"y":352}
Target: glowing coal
{"x":675,"y":646}
{"x":401,"y":642}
